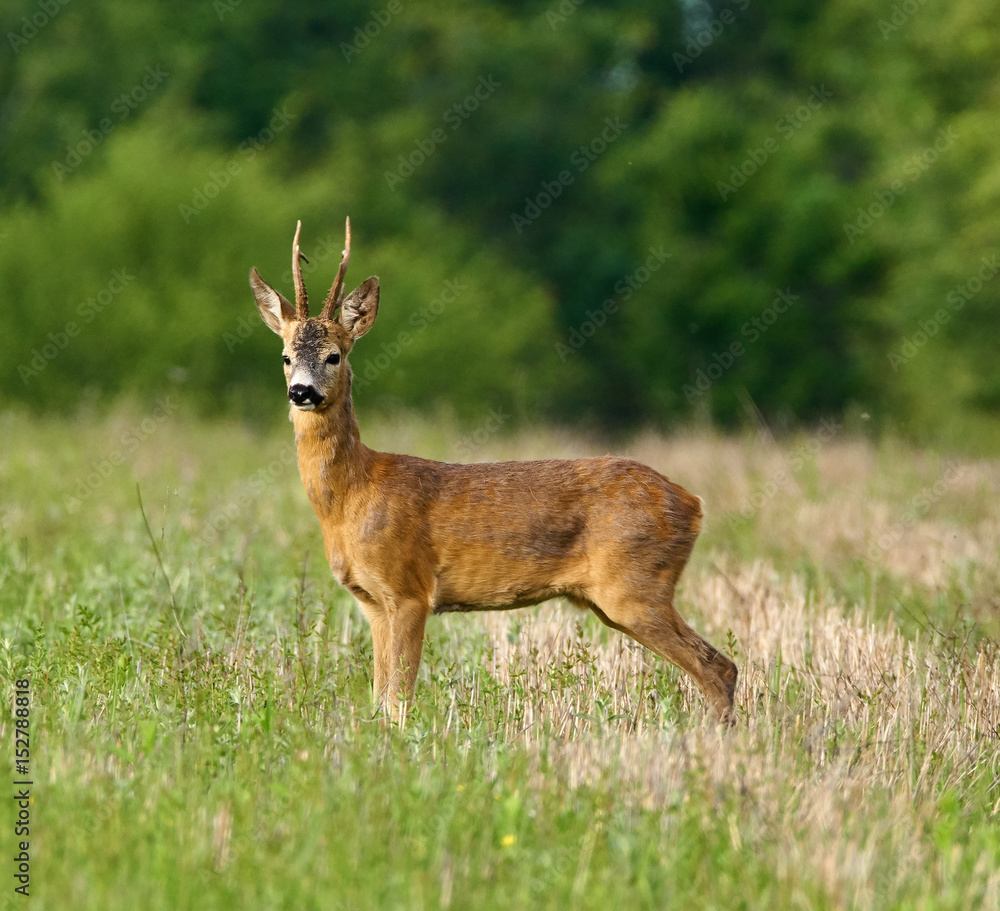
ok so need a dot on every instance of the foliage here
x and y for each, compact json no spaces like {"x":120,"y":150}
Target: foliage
{"x":535,"y":154}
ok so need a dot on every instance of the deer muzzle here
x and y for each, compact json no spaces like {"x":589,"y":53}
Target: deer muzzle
{"x":304,"y":397}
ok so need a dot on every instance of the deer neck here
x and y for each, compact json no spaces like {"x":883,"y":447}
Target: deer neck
{"x":333,"y":462}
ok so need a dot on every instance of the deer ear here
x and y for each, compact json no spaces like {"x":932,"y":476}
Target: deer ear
{"x":359,"y":309}
{"x":273,"y":307}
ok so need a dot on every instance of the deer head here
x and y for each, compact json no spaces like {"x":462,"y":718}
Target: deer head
{"x":316,"y":348}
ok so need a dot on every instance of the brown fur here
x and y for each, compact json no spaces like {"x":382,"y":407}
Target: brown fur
{"x":409,"y":537}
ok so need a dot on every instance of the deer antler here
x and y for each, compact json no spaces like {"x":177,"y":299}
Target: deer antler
{"x":301,"y":298}
{"x":336,"y":294}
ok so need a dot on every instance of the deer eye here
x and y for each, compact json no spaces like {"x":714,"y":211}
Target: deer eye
{"x":286,"y":359}
{"x":333,"y":358}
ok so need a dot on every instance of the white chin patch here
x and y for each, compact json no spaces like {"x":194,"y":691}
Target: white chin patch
{"x":308,"y":406}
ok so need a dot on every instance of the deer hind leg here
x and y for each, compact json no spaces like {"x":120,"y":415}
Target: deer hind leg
{"x":659,"y":627}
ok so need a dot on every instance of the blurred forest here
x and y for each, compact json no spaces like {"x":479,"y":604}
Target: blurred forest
{"x":609,"y":215}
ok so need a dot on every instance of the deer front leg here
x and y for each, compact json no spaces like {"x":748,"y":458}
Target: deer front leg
{"x":406,"y":642}
{"x":378,"y":620}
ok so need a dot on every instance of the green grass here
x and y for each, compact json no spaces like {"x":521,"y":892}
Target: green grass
{"x":201,"y":725}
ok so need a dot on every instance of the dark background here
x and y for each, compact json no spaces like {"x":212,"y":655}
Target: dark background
{"x":508,"y":169}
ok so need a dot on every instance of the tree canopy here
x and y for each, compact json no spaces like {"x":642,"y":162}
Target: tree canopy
{"x":619,"y":214}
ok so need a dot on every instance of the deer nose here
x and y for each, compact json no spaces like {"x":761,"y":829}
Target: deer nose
{"x":303,"y":396}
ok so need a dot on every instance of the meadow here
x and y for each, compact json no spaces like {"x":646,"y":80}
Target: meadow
{"x":201,"y":729}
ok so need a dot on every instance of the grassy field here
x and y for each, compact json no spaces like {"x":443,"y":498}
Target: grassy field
{"x":200,"y":724}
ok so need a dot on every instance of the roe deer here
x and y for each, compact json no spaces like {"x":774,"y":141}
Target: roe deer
{"x":409,"y":537}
